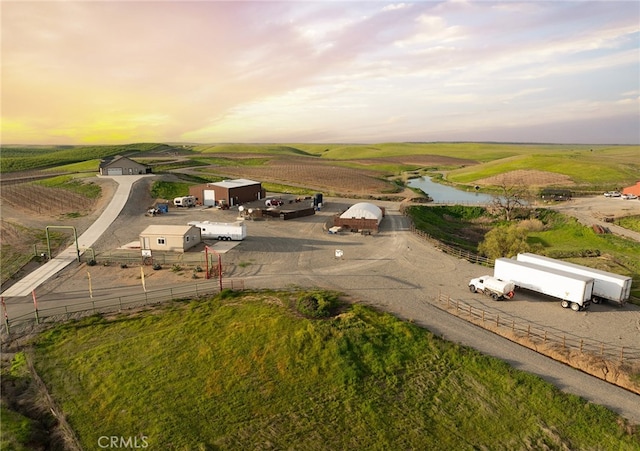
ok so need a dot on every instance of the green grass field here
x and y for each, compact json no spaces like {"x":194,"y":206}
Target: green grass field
{"x":587,"y":165}
{"x":247,"y":371}
{"x":29,"y":158}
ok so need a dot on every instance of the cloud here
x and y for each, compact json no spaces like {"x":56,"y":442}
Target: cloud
{"x":230,"y":71}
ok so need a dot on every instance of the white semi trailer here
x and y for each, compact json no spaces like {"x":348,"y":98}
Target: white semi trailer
{"x":224,"y":231}
{"x":572,"y":289}
{"x":607,"y":286}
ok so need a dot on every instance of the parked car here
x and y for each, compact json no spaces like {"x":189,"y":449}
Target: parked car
{"x":629,"y":196}
{"x":612,"y":194}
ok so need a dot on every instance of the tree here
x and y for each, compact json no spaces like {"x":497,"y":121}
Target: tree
{"x":505,"y":241}
{"x":511,"y":199}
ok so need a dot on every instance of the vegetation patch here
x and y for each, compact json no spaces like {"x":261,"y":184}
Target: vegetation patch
{"x":317,"y":304}
{"x":630,"y":222}
{"x":244,"y":371}
{"x":73,"y":184}
{"x":460,"y":226}
{"x":169,"y":190}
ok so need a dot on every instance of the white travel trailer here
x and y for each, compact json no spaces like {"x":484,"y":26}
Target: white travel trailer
{"x":185,"y":201}
{"x":222,"y":231}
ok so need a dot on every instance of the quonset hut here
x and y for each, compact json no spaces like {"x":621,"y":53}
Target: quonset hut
{"x":361,"y":217}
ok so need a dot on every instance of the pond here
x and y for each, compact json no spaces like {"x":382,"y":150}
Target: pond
{"x":446,"y":194}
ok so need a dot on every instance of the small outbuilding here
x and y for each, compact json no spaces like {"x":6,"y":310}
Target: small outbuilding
{"x":362,"y":216}
{"x":229,"y":192}
{"x":170,"y":238}
{"x":634,"y":189}
{"x":120,"y":165}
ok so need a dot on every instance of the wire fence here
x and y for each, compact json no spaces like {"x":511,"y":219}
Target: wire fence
{"x":604,"y":360}
{"x":37,"y":319}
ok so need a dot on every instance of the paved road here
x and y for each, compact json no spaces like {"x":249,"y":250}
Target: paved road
{"x":36,"y":278}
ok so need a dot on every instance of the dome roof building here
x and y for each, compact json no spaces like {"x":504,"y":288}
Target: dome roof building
{"x":362,"y":216}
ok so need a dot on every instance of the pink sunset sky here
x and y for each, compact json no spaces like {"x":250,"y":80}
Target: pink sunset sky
{"x":79,"y":72}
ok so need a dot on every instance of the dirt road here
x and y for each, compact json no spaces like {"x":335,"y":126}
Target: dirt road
{"x":594,"y":210}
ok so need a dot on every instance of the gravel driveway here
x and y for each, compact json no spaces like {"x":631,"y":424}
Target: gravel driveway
{"x":397,"y":272}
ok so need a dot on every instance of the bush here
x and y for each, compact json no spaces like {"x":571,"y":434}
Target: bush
{"x":572,"y":253}
{"x":317,"y":304}
{"x":91,"y":263}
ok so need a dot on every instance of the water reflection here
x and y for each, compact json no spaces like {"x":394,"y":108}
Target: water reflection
{"x":446,"y":194}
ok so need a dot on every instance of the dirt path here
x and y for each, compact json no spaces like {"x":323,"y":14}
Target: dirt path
{"x":593,"y":210}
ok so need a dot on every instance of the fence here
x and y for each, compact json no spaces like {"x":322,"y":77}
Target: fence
{"x":453,"y":250}
{"x":33,"y":321}
{"x":602,"y":360}
{"x":132,"y":257}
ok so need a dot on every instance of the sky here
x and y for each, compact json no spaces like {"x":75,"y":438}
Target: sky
{"x":109,"y":72}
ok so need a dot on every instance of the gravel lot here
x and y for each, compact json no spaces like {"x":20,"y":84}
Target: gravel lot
{"x":394,"y":270}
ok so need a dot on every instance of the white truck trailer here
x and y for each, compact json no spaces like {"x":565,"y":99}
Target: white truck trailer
{"x":222,"y":231}
{"x":495,"y":288}
{"x":572,"y":289}
{"x":607,"y":286}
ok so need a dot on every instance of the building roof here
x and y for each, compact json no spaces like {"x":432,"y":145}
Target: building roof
{"x":633,"y":189}
{"x":236,"y":183}
{"x":168,"y":230}
{"x":363,"y":210}
{"x":108,"y":161}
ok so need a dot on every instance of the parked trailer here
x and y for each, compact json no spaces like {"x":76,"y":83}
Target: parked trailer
{"x":574,"y":290}
{"x":495,"y":288}
{"x":222,"y":231}
{"x":607,"y":286}
{"x":185,"y":201}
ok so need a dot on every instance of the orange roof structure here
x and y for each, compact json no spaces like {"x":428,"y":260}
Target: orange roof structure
{"x":635,"y":189}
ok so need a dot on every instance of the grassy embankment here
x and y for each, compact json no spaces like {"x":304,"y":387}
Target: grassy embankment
{"x":248,"y":372}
